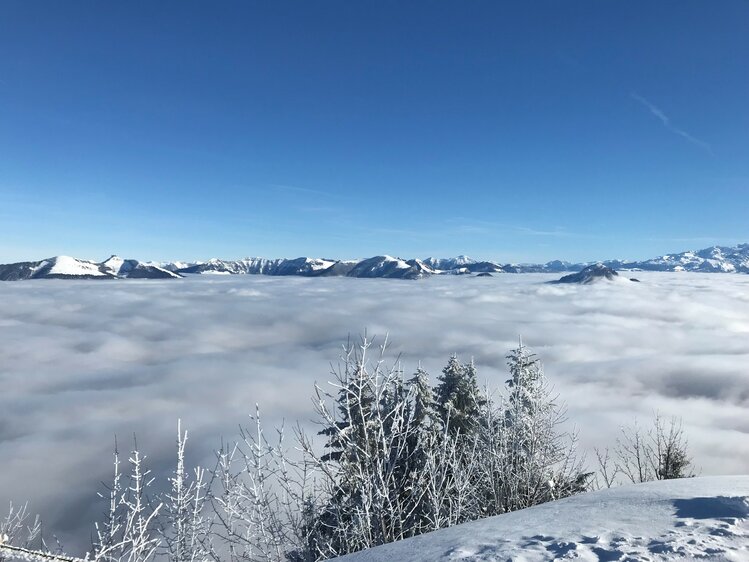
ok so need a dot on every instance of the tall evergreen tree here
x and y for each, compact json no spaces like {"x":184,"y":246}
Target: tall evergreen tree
{"x":355,"y":403}
{"x":351,"y":447}
{"x":527,"y":398}
{"x":425,"y":416}
{"x":423,"y":437}
{"x":459,"y":400}
{"x":540,"y":460}
{"x":369,"y":457}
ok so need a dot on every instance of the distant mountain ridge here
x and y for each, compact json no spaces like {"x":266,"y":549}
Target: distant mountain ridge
{"x":66,"y":267}
{"x":716,"y":259}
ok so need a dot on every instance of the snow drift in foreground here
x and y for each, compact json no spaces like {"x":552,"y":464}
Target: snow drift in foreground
{"x":693,"y":518}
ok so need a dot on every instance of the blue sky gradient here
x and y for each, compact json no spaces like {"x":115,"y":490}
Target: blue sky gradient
{"x":515,"y":131}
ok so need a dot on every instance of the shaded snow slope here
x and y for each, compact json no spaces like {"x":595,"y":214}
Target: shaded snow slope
{"x":135,"y":269}
{"x":390,"y":268}
{"x":693,"y":518}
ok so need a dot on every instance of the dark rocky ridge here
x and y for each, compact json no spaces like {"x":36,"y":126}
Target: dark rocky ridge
{"x":590,"y":274}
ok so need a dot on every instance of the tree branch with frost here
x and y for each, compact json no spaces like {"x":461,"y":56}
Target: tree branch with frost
{"x":607,"y":467}
{"x":660,"y":453}
{"x":10,"y":552}
{"x":259,"y":498}
{"x":128,"y":532}
{"x":19,"y":528}
{"x":184,"y":526}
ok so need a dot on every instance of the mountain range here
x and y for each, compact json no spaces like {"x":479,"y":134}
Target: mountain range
{"x":65,"y":267}
{"x":716,"y":259}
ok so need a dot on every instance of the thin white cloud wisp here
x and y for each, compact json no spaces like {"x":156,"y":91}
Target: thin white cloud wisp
{"x":663,"y":118}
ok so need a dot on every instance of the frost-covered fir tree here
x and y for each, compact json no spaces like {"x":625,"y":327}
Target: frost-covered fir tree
{"x":539,"y":458}
{"x":424,"y":437}
{"x":355,"y":403}
{"x":367,"y":463}
{"x":338,"y":527}
{"x":425,"y":418}
{"x":459,"y":400}
{"x":528,"y":398}
{"x":460,"y":404}
{"x":351,"y":447}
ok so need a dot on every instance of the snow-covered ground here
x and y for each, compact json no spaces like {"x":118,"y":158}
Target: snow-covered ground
{"x":83,"y":361}
{"x":690,"y":519}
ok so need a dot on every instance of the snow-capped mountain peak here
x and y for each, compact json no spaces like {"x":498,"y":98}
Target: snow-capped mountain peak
{"x":114,"y":264}
{"x":66,"y":266}
{"x":714,"y":259}
{"x":388,"y":267}
{"x":446,"y":264}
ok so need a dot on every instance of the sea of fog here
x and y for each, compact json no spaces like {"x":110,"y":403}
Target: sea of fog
{"x":84,"y":361}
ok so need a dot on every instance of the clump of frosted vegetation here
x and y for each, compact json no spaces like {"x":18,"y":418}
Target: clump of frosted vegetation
{"x":401,"y":456}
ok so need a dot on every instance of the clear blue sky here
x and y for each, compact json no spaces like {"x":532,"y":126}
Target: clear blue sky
{"x":516,"y":131}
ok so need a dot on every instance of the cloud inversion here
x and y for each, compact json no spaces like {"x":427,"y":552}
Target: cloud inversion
{"x":81,"y":362}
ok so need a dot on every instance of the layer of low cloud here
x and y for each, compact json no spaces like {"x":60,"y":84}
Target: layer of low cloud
{"x":83,"y":362}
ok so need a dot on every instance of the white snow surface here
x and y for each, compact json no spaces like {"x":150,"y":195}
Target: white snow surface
{"x":317,"y":264}
{"x":400,"y":263}
{"x":114,"y":264}
{"x":449,"y":263}
{"x":172,"y":265}
{"x":65,"y":265}
{"x":688,"y":519}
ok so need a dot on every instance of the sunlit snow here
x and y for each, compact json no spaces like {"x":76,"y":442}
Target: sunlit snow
{"x":689,"y":519}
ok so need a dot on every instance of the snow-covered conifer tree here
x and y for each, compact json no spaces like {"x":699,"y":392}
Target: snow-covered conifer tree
{"x":458,"y":397}
{"x":424,"y":435}
{"x":459,"y":403}
{"x":425,"y":416}
{"x":539,"y":459}
{"x":370,"y":433}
